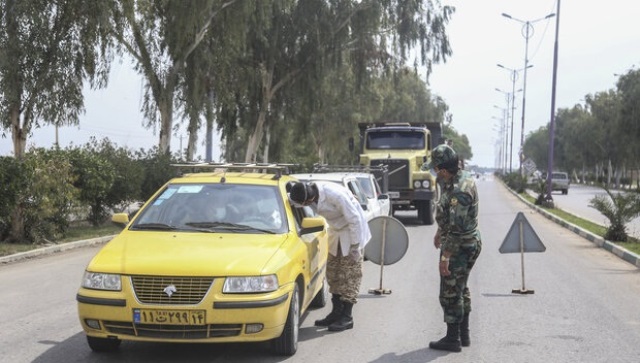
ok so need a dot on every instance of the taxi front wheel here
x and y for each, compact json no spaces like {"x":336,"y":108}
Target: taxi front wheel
{"x":287,"y":343}
{"x":103,"y":345}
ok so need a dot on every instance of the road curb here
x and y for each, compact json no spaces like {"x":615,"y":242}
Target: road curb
{"x":53,"y":249}
{"x":621,"y":252}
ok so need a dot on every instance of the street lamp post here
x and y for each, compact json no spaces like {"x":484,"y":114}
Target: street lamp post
{"x":548,"y":198}
{"x":505,"y":118}
{"x":503,"y":143}
{"x":499,"y":128}
{"x":510,"y":96}
{"x":514,"y":78}
{"x":527,"y":32}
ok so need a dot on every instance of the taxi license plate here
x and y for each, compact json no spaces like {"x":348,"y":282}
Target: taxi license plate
{"x":169,"y":317}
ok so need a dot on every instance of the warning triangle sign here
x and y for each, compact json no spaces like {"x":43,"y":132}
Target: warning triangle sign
{"x":521,"y":238}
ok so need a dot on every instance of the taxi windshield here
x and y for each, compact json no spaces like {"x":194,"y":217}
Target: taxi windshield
{"x":228,"y":208}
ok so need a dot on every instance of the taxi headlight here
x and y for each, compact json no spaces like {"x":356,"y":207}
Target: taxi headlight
{"x":101,"y":281}
{"x":235,"y":285}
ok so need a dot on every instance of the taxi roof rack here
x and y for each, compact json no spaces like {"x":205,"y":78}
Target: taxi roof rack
{"x":278,"y":169}
{"x":381,"y":172}
{"x":326,"y":168}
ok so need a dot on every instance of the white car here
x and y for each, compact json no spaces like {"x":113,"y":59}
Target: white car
{"x":372,"y":206}
{"x":378,"y":201}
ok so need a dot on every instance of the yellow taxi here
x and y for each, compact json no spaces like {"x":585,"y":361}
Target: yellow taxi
{"x":217,"y":255}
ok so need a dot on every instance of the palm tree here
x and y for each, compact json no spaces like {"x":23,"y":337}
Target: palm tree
{"x":619,"y":208}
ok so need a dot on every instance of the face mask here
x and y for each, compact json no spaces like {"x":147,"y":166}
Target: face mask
{"x":295,"y":204}
{"x":433,"y":173}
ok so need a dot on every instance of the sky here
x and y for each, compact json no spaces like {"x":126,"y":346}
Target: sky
{"x":115,"y":113}
{"x":596,"y":41}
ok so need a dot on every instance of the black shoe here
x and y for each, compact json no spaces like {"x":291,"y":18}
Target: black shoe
{"x":335,"y":313}
{"x":342,"y":324}
{"x":451,"y":342}
{"x":345,"y":321}
{"x":328,"y":320}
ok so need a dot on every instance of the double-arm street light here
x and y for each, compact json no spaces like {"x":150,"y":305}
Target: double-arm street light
{"x":514,"y":77}
{"x":527,"y":32}
{"x":510,"y":97}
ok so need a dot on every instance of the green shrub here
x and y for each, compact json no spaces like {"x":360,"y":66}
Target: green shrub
{"x":94,"y":178}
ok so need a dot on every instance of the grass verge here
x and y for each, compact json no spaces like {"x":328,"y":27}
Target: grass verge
{"x":72,"y":235}
{"x":632,"y":244}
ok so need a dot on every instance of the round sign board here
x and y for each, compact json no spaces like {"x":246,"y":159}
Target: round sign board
{"x":395,"y":237}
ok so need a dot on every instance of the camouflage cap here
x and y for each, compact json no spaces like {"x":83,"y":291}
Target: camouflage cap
{"x":441,"y":154}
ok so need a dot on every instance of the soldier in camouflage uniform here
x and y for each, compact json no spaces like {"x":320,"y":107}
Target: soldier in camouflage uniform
{"x":348,"y":234}
{"x":458,"y":239}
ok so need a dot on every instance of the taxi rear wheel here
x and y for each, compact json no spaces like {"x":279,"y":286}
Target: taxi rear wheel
{"x":101,"y":345}
{"x":321,"y":298}
{"x":287,"y":343}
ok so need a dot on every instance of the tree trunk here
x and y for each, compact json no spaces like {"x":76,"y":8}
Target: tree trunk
{"x":17,"y":225}
{"x":19,"y":138}
{"x":265,"y":152}
{"x":209,"y":136}
{"x":19,"y":132}
{"x":165,"y":133}
{"x":256,"y":136}
{"x":193,"y":137}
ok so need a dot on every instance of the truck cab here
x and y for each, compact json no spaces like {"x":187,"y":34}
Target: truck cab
{"x":403,"y":148}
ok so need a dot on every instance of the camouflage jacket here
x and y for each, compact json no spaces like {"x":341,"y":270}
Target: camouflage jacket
{"x":457,"y":213}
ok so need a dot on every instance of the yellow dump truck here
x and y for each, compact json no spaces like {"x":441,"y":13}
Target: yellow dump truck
{"x":403,"y":148}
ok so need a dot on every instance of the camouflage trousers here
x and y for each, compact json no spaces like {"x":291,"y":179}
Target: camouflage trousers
{"x":344,"y":276}
{"x":455,"y":298}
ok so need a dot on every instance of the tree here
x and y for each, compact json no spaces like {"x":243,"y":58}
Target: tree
{"x":604,"y":107}
{"x":628,"y":87}
{"x":160,"y":35}
{"x":47,"y":50}
{"x":536,"y":147}
{"x":460,"y":143}
{"x":570,"y":150}
{"x":292,"y":45}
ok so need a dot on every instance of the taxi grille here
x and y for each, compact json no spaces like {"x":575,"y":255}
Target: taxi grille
{"x":173,"y":331}
{"x":183,"y":290}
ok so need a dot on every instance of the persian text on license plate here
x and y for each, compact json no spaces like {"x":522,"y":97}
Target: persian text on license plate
{"x":169,"y":317}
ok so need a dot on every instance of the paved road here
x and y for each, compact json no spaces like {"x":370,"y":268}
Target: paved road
{"x":585,"y":306}
{"x":577,"y":202}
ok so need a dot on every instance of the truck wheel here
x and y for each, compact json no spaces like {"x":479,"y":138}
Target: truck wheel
{"x":426,"y":211}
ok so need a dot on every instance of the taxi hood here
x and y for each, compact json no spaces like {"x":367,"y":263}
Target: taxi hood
{"x":187,"y":253}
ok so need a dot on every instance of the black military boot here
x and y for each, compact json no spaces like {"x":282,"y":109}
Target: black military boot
{"x":465,"y":341}
{"x":334,"y":314}
{"x":345,"y":321}
{"x":451,"y":342}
